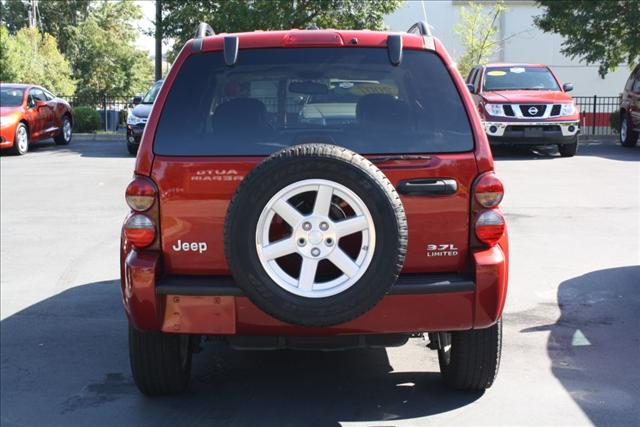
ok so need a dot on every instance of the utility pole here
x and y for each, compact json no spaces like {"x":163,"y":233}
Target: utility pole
{"x":158,"y":35}
{"x":33,"y":13}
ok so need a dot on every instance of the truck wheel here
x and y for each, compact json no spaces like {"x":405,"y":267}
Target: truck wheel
{"x":568,"y":150}
{"x":160,"y":363}
{"x":628,"y":137}
{"x":469,"y":360}
{"x":315,"y":235}
{"x":64,"y":137}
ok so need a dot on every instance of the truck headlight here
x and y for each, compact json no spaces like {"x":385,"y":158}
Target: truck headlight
{"x":494,"y":109}
{"x":567,"y":109}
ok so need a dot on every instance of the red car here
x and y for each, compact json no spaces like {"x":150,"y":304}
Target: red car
{"x":630,"y":110}
{"x":30,"y":113}
{"x":525,"y":104}
{"x":314,"y":189}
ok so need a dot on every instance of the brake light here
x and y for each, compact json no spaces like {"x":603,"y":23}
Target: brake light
{"x":489,"y":190}
{"x":140,"y":230}
{"x":490,"y":227}
{"x":140,"y":194}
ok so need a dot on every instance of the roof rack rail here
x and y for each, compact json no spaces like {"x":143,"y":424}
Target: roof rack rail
{"x":421,"y":28}
{"x":204,"y":30}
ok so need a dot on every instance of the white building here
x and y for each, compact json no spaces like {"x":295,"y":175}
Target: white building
{"x":522,"y":41}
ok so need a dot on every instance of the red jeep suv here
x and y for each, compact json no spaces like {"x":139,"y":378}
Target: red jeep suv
{"x":314,"y":189}
{"x":525,"y":104}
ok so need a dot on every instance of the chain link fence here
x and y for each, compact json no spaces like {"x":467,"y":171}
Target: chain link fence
{"x":595,"y":114}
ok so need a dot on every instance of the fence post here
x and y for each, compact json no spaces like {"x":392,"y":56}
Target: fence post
{"x":104,"y":110}
{"x":593,"y":123}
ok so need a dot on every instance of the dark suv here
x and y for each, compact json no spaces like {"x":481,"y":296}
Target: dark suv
{"x":137,"y":118}
{"x":630,"y":110}
{"x":314,"y":189}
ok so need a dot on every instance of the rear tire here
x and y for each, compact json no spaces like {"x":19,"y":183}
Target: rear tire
{"x":20,"y":140}
{"x":64,"y":137}
{"x":160,"y":363}
{"x":628,"y":137}
{"x":469,"y":360}
{"x":568,"y":150}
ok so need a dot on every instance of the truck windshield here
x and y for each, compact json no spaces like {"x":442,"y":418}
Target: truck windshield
{"x":352,"y":97}
{"x":519,"y":78}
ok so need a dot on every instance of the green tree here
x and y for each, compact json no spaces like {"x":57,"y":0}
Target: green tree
{"x":31,"y":57}
{"x":180,"y":18}
{"x":477,"y":31}
{"x":105,"y":60}
{"x":603,"y":32}
{"x":54,"y":17}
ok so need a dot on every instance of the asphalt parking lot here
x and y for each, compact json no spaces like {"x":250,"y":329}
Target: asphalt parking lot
{"x":571,"y":332}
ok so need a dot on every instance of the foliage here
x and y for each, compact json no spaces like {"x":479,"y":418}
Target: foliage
{"x":105,"y":60}
{"x":85,"y":119}
{"x":614,"y":121}
{"x":180,"y":18}
{"x":603,"y":32}
{"x":55,"y":16}
{"x":31,"y":57}
{"x":477,"y":31}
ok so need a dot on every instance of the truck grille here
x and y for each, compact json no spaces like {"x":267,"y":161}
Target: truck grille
{"x":533,"y":110}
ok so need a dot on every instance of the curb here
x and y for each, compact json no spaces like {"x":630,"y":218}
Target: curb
{"x":100,"y":136}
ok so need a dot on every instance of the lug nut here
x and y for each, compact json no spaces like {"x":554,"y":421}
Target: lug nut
{"x":324,"y":226}
{"x":315,"y":251}
{"x":329,"y":241}
{"x":301,"y":242}
{"x":306,"y":226}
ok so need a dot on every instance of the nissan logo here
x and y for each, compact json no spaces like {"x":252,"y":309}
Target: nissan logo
{"x":532,"y":111}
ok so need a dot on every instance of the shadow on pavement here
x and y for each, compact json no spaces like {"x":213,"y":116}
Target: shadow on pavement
{"x":595,"y":344}
{"x":605,"y":148}
{"x":65,"y":362}
{"x":609,"y":150}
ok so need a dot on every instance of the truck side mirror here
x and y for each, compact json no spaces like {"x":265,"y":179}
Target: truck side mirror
{"x":471,"y":88}
{"x":567,"y":87}
{"x":137,"y":100}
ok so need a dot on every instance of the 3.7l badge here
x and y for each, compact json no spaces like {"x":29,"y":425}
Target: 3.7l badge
{"x":442,"y":249}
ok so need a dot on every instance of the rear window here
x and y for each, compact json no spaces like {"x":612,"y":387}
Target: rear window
{"x":273,"y":98}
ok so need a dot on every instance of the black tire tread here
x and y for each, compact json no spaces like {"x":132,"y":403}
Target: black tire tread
{"x":59,"y":139}
{"x":632,"y":136}
{"x":155,"y":362}
{"x":14,"y":149}
{"x":324,"y":151}
{"x":568,"y":150}
{"x":475,"y":358}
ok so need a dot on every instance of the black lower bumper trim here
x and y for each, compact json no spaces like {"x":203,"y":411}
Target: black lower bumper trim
{"x":409,"y":284}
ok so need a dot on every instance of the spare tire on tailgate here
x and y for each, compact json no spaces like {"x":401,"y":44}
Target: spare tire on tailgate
{"x":315,"y":235}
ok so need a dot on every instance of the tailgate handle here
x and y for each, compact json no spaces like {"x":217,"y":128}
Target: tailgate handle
{"x":428,"y":187}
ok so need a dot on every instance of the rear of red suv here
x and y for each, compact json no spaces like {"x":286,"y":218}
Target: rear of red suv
{"x":314,"y":189}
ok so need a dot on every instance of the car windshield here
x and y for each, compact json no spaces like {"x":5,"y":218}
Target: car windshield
{"x":519,"y":78}
{"x":11,"y":97}
{"x":273,"y":98}
{"x":150,"y":96}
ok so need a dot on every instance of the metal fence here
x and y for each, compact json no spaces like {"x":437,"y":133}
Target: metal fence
{"x":113,"y":110}
{"x":595,"y":113}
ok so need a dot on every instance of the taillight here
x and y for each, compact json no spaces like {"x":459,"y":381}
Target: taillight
{"x":490,"y":227}
{"x":140,"y":194}
{"x":489,"y":224}
{"x":489,"y":190}
{"x":140,"y":230}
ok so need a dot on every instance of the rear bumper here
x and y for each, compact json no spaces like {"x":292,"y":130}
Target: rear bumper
{"x":215,"y":306}
{"x":532,"y":133}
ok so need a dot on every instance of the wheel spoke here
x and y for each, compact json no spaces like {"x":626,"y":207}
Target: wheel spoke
{"x":341,"y":260}
{"x":307,"y":274}
{"x":287,"y":212}
{"x":350,"y":226}
{"x":323,"y":200}
{"x":279,"y":248}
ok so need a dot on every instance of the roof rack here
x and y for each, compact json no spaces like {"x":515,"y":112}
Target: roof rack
{"x":204,"y":30}
{"x":421,"y":28}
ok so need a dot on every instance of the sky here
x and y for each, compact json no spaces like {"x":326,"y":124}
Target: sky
{"x":145,"y":42}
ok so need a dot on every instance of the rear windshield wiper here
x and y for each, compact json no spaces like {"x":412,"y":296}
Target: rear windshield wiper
{"x":399,"y":157}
